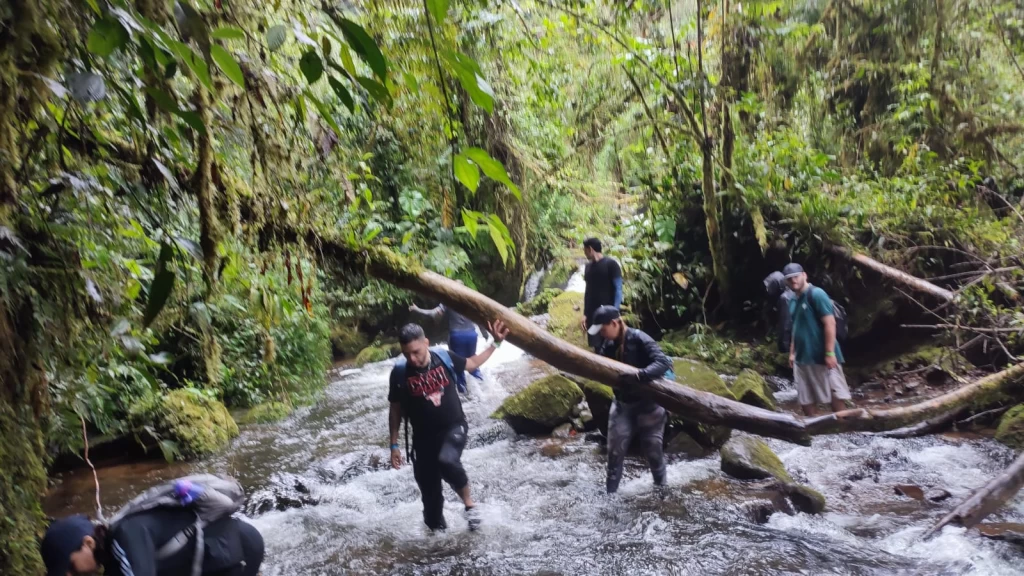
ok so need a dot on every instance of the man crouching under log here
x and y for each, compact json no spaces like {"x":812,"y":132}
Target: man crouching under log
{"x":423,"y":389}
{"x":632,"y":413}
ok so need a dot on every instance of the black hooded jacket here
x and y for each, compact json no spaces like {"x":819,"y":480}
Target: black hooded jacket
{"x":640,"y":351}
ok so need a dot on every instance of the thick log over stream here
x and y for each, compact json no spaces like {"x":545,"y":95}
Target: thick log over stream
{"x":675,"y":396}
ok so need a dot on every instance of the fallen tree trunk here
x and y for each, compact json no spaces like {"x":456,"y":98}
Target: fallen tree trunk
{"x":986,"y":500}
{"x":929,"y":426}
{"x":893,"y":274}
{"x":677,"y":397}
{"x":983,"y":392}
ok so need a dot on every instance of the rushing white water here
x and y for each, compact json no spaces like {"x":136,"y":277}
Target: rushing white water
{"x":533,"y":284}
{"x":576,"y":281}
{"x":544,"y":508}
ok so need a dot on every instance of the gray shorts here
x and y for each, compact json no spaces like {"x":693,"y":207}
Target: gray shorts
{"x":815,"y":383}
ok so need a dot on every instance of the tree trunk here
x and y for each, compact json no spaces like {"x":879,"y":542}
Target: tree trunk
{"x":713,"y":222}
{"x":983,"y":392}
{"x":929,"y":426}
{"x":915,"y":284}
{"x":986,"y":500}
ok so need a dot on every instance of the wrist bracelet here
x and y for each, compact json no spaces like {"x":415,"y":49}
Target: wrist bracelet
{"x":394,"y":447}
{"x":497,"y":343}
{"x":830,"y":353}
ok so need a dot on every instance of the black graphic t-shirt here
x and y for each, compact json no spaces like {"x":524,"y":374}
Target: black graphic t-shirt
{"x":428,"y":396}
{"x":600,"y":278}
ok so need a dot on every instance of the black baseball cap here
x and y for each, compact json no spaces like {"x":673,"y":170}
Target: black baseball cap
{"x":62,"y":538}
{"x":792,"y":269}
{"x":602,"y":316}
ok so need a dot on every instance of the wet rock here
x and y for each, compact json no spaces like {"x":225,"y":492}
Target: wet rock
{"x":542,"y":406}
{"x":761,"y":510}
{"x":599,"y":401}
{"x":372,"y":354}
{"x":804,"y":498}
{"x":277,"y":498}
{"x":778,"y":383}
{"x":748,"y":458}
{"x":937,"y":495}
{"x":1003,"y":531}
{"x":1011,"y":428}
{"x":910,"y":491}
{"x":563,"y":431}
{"x":680,"y":442}
{"x":873,"y":464}
{"x":750,"y":388}
{"x":552,"y":449}
{"x":596,"y":438}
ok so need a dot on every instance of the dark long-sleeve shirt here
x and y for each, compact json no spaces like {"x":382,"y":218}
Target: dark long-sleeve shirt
{"x":640,"y":351}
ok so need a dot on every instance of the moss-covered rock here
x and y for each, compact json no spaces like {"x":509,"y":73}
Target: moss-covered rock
{"x":22,"y":485}
{"x":371,"y":354}
{"x":748,"y":458}
{"x":724,"y":355}
{"x":196,"y":423}
{"x":541,"y":406}
{"x":540,"y":303}
{"x":347,"y":340}
{"x":750,"y":388}
{"x":679,"y":442}
{"x":566,"y":310}
{"x":266,"y":412}
{"x":599,"y":398}
{"x":1011,"y":428}
{"x":891,"y":361}
{"x":700,"y":377}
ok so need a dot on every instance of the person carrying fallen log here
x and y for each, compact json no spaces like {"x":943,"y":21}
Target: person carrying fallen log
{"x":632,"y":412}
{"x":814,"y":352}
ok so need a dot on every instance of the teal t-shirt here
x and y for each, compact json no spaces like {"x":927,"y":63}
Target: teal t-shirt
{"x":806,"y":310}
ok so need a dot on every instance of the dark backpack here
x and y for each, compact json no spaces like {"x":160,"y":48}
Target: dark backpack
{"x":210,"y":497}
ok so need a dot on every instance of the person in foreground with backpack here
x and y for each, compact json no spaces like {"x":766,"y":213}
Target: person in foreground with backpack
{"x":632,"y":413}
{"x":814,"y":352}
{"x":156,"y":535}
{"x":423,"y":390}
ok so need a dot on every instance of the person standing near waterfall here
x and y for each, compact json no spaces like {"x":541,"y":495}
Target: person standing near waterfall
{"x":632,"y":413}
{"x":604,"y":286}
{"x":462,"y":336}
{"x":422,"y":390}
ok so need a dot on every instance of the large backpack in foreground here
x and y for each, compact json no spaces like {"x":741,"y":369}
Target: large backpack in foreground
{"x":210,"y":497}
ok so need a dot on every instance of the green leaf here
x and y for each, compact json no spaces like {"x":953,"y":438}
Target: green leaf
{"x":343,"y":93}
{"x":95,"y":7}
{"x":163,"y":100}
{"x":195,"y":63}
{"x":228,"y":33}
{"x":470,"y":77}
{"x":471,"y":221}
{"x":227,"y":64}
{"x":312,"y":66}
{"x":492,"y":168}
{"x":376,"y":90}
{"x":346,"y":59}
{"x":499,"y":242}
{"x":411,"y":82}
{"x":193,"y":120}
{"x":106,"y":36}
{"x":276,"y":37}
{"x":438,"y":9}
{"x":371,"y":232}
{"x":160,"y":289}
{"x":365,"y":47}
{"x":324,"y":112}
{"x":466,"y":172}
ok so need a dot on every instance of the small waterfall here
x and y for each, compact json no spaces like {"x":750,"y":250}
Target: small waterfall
{"x":576,"y":281}
{"x":533,"y":284}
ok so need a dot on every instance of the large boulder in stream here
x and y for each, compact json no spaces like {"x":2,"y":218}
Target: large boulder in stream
{"x":748,"y":458}
{"x":750,"y":388}
{"x":599,"y":399}
{"x":542,"y":406}
{"x":1011,"y":428}
{"x":565,"y":311}
{"x":375,"y":353}
{"x":698,"y":376}
{"x":194,"y":423}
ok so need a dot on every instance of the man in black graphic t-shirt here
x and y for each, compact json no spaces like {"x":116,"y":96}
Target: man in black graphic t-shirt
{"x":423,"y":389}
{"x":604,"y":285}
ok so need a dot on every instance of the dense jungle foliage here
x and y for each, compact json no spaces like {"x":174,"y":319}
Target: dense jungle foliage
{"x":157,"y":159}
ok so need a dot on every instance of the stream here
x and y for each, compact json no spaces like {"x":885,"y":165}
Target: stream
{"x":327,"y":503}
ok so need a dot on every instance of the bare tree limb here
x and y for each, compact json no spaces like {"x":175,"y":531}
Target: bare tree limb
{"x":985,"y":500}
{"x":891,"y":273}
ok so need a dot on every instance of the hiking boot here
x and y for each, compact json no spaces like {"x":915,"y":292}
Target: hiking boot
{"x":473,"y":517}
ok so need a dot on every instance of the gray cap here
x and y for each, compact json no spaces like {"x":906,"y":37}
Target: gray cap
{"x":792,"y":269}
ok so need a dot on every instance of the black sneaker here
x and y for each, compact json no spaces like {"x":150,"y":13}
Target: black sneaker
{"x":473,"y":517}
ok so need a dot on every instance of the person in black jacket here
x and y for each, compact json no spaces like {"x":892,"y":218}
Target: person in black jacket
{"x":74,"y":546}
{"x":779,"y":291}
{"x":631,"y":412}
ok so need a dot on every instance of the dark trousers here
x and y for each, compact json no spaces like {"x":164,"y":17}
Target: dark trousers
{"x":645,"y":419}
{"x":463,"y":343}
{"x":439,"y":458}
{"x":250,"y":548}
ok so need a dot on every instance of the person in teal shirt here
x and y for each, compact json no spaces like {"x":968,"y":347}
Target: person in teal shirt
{"x":814,"y":352}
